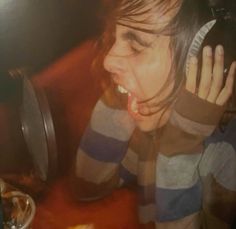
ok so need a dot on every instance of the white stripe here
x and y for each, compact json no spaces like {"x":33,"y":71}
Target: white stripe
{"x":177,"y":172}
{"x":92,"y":170}
{"x":220,"y":160}
{"x":189,"y":126}
{"x":112,"y":122}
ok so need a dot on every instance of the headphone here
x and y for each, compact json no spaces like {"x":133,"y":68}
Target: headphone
{"x":221,"y":29}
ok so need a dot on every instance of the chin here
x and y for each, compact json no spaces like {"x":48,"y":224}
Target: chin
{"x":149,"y":124}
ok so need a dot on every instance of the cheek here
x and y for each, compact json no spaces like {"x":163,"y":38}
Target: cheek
{"x":153,"y":74}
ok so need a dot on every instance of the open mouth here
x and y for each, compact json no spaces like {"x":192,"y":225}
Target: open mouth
{"x":132,"y":105}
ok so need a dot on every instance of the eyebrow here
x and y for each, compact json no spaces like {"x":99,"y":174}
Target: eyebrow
{"x":130,"y":35}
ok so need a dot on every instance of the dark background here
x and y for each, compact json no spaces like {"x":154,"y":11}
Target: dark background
{"x":34,"y":33}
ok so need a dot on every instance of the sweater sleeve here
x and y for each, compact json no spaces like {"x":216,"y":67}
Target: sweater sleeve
{"x":102,"y":148}
{"x":178,"y":183}
{"x":192,"y":120}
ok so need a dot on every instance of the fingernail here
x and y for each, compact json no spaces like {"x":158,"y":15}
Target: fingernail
{"x":208,"y":51}
{"x":220,"y":49}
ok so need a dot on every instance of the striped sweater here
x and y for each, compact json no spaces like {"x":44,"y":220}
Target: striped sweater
{"x":185,"y":173}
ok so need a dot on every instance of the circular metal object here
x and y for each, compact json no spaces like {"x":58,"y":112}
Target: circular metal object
{"x":38,"y":130}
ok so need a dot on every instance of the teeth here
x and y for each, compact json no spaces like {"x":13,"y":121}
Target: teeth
{"x":122,"y":90}
{"x":134,"y":106}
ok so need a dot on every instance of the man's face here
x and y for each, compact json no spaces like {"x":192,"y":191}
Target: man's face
{"x":140,"y":63}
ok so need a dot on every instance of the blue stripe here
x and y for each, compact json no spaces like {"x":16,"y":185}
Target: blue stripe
{"x":126,"y":175}
{"x":102,"y":148}
{"x":176,"y":204}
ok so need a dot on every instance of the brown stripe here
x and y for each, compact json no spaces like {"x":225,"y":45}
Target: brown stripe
{"x":88,"y":191}
{"x":146,"y":172}
{"x":210,"y":221}
{"x":150,"y":225}
{"x":144,"y":145}
{"x":147,"y":213}
{"x":219,"y":201}
{"x":130,"y":161}
{"x":196,"y":109}
{"x":174,"y":141}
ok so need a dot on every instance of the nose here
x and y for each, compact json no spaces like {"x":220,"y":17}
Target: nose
{"x":114,"y":63}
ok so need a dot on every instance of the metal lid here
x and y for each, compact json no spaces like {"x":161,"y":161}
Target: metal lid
{"x":38,"y":130}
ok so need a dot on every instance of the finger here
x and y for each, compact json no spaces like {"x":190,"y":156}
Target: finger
{"x":191,"y":77}
{"x":228,"y":88}
{"x":206,"y":73}
{"x":218,"y":74}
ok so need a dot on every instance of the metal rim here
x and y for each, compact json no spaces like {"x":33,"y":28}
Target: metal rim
{"x":48,"y":128}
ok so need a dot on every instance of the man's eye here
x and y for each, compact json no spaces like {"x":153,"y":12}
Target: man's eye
{"x":135,"y":48}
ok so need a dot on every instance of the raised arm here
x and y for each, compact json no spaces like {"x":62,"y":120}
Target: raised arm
{"x":200,"y":106}
{"x":196,"y":115}
{"x":102,"y":147}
